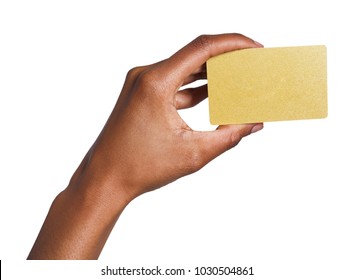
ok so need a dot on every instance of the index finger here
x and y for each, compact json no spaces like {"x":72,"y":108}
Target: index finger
{"x":185,"y":61}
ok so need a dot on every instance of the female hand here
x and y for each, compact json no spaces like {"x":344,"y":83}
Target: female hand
{"x":144,"y":145}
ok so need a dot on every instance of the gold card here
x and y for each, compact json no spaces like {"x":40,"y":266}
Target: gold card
{"x":268,"y":84}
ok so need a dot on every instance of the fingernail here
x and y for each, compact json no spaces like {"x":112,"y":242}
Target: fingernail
{"x":258,"y":44}
{"x":257,"y":127}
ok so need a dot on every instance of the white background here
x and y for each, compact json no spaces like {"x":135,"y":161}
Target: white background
{"x":281,"y":201}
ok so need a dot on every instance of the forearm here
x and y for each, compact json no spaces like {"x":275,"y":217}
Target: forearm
{"x":78,"y":224}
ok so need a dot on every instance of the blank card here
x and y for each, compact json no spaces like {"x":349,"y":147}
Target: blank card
{"x":268,"y":84}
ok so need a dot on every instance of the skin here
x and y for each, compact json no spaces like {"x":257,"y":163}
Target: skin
{"x":144,"y":145}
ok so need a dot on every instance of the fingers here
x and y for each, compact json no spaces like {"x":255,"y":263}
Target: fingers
{"x":194,"y":77}
{"x":213,"y":143}
{"x":190,"y":97}
{"x":190,"y":58}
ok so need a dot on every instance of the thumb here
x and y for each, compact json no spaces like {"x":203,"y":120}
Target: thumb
{"x":225,"y":137}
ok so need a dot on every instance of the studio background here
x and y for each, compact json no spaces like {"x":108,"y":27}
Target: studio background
{"x":281,"y":201}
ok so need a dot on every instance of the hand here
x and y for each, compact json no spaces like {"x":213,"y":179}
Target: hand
{"x":144,"y":145}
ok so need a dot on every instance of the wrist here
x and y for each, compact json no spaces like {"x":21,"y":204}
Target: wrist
{"x":80,"y":218}
{"x":93,"y":183}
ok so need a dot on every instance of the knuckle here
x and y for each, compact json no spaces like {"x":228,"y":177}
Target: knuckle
{"x":148,"y":81}
{"x":202,"y":42}
{"x":239,"y":35}
{"x":195,"y":159}
{"x":133,"y":73}
{"x":235,"y":138}
{"x":191,"y":156}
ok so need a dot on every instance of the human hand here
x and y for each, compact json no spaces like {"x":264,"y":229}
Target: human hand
{"x":145,"y":143}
